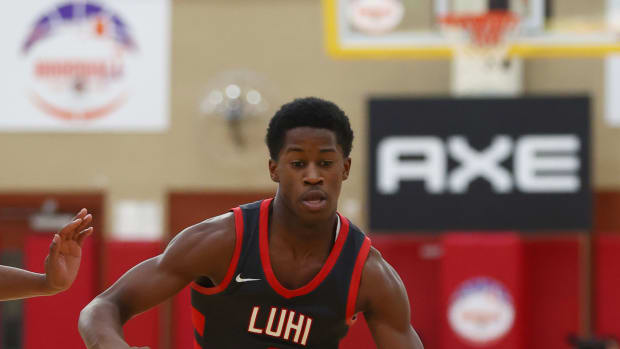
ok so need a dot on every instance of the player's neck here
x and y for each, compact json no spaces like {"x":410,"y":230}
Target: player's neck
{"x":298,"y":234}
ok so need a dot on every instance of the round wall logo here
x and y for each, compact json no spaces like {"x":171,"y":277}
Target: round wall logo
{"x":376,"y":16}
{"x":481,"y":311}
{"x":77,"y":61}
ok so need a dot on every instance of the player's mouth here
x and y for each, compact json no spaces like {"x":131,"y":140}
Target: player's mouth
{"x":314,"y":200}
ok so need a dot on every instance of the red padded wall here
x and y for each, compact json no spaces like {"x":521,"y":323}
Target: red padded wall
{"x":416,"y":259}
{"x":51,"y":322}
{"x":182,"y":327}
{"x":495,"y":257}
{"x":607,"y":285}
{"x":553,"y":290}
{"x":143,"y":329}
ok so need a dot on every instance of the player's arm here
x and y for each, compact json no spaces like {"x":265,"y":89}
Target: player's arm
{"x":61,"y":264}
{"x":202,"y":249}
{"x":383,"y":299}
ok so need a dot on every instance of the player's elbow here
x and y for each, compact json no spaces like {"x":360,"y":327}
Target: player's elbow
{"x":90,"y":313}
{"x":86,"y":322}
{"x":97,"y":315}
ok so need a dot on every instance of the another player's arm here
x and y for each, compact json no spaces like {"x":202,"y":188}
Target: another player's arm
{"x":383,"y":299}
{"x":61,"y":264}
{"x":199,"y":250}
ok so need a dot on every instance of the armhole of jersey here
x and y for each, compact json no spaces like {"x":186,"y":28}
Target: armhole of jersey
{"x":233,"y":263}
{"x":355,"y":281}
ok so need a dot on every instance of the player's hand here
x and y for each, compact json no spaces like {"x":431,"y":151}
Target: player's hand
{"x":63,"y":261}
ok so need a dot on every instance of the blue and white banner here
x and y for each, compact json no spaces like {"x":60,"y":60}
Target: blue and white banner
{"x":85,"y":65}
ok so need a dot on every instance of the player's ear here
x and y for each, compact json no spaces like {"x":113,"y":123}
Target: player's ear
{"x":272,"y":171}
{"x":347,"y":168}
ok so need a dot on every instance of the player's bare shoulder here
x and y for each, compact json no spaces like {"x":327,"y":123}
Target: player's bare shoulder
{"x":380,"y":284}
{"x":203,"y":248}
{"x":383,"y":299}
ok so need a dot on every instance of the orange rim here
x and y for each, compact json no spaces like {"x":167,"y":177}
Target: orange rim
{"x":485,"y":29}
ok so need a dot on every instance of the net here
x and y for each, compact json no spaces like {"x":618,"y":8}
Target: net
{"x":481,"y":64}
{"x":488,"y":29}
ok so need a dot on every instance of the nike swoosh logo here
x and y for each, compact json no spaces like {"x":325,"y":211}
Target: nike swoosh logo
{"x":240,"y":279}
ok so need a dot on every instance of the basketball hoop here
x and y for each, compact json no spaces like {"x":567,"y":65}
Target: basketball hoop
{"x":481,"y":62}
{"x":486,"y":29}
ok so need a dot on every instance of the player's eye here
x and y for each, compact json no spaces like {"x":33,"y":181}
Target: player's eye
{"x":326,"y":163}
{"x":297,"y":163}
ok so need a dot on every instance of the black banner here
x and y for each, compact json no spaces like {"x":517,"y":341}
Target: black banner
{"x":480,"y":164}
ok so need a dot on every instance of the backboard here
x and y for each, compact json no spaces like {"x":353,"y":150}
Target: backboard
{"x":411,"y":28}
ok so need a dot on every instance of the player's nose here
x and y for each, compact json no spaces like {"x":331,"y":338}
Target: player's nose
{"x":313,"y":176}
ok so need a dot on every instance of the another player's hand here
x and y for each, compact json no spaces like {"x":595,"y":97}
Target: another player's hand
{"x":63,"y":261}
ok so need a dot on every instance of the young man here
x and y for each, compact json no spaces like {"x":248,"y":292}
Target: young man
{"x":61,"y":264}
{"x":288,"y":272}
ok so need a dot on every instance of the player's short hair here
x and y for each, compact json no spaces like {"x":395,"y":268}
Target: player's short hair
{"x":308,"y":112}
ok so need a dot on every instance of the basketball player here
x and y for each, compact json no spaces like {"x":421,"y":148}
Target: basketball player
{"x":287,"y":272}
{"x":61,"y":264}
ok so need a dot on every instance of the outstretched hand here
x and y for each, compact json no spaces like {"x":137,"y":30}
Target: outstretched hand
{"x":63,"y":261}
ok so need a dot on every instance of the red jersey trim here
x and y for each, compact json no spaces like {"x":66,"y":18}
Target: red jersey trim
{"x":355,"y":281}
{"x":266,"y":259}
{"x":199,"y":321}
{"x":233,"y":263}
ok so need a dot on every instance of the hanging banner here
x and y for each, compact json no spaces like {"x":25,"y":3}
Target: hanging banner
{"x":480,"y":164}
{"x":77,"y":65}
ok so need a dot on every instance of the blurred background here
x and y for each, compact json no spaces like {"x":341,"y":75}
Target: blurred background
{"x":486,"y":163}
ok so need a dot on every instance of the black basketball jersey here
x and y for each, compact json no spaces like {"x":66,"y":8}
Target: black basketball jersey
{"x":251,"y":309}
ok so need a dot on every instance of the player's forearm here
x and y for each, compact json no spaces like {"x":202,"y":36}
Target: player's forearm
{"x":101,"y":325}
{"x":17,"y":283}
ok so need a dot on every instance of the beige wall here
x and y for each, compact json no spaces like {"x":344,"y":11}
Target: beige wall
{"x":283,"y":40}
